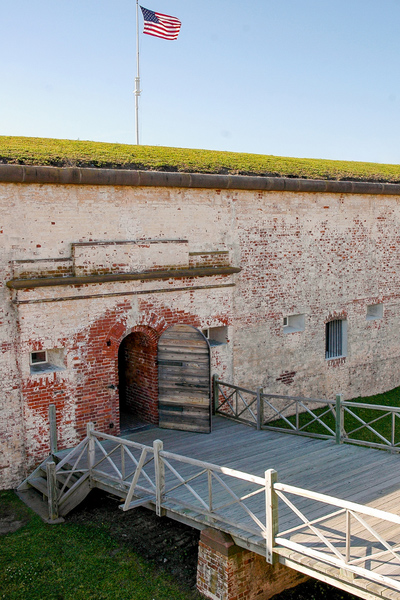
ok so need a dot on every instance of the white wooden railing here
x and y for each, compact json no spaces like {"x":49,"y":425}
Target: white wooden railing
{"x":360,"y":540}
{"x":237,"y":402}
{"x":64,"y":478}
{"x":368,"y":422}
{"x":341,"y":420}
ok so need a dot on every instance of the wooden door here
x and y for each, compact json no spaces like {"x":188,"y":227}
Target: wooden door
{"x":184,"y":390}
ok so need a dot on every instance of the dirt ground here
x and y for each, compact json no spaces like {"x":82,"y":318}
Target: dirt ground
{"x":169,"y":545}
{"x":166,"y":543}
{"x":9,"y":521}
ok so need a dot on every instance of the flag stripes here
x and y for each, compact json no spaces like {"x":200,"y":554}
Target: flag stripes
{"x":159,"y":25}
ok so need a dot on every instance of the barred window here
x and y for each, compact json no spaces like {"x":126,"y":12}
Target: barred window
{"x":335,"y":338}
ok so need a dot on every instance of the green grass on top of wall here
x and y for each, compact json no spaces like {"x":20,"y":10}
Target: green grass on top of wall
{"x":43,"y":151}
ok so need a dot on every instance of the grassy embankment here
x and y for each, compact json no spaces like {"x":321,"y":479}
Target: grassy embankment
{"x":43,"y":151}
{"x":74,"y":562}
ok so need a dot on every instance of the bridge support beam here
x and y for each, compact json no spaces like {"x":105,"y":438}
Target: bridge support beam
{"x":227,"y":572}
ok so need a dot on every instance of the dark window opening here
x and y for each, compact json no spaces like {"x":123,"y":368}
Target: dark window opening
{"x":335,"y":339}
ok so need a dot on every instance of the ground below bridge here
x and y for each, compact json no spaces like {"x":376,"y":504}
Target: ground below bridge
{"x":170,"y":545}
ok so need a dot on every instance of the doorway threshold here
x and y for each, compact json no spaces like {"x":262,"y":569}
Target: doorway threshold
{"x":130,"y":423}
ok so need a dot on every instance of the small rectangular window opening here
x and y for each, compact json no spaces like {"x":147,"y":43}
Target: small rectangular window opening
{"x":38,"y":358}
{"x":335,"y":338}
{"x":216,"y":335}
{"x":374,"y":311}
{"x":293,"y":323}
{"x":47,"y":361}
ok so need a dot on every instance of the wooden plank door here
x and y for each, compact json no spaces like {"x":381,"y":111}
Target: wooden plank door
{"x":184,"y":390}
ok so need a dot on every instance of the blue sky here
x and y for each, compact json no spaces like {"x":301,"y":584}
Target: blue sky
{"x":299,"y":78}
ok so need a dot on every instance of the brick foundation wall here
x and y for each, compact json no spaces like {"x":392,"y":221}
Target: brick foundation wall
{"x":227,"y":572}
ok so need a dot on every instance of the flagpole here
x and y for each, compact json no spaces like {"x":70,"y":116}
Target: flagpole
{"x":137,"y":78}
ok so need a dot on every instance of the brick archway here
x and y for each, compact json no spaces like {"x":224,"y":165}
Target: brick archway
{"x":152,"y":324}
{"x":138,"y":377}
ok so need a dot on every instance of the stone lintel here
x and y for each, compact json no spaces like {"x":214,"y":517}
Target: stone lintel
{"x":220,"y":542}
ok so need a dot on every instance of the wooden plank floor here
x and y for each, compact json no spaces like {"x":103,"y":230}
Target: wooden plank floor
{"x":365,"y":476}
{"x":362,"y":475}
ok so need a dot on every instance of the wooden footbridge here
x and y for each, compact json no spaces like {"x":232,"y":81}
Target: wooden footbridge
{"x":329,"y":510}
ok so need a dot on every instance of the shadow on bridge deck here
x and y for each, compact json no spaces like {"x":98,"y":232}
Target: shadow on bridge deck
{"x":357,"y":474}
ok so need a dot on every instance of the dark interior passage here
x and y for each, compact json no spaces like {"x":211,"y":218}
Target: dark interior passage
{"x":138,"y":380}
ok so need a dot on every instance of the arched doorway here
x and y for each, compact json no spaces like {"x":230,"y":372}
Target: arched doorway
{"x":184,"y":386}
{"x":137,"y":370}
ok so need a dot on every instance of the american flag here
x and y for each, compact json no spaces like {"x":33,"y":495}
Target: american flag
{"x":160,"y":25}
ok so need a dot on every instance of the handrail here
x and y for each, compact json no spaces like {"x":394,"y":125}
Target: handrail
{"x":212,"y":467}
{"x":337,"y":419}
{"x":395,"y":409}
{"x":235,"y":404}
{"x":211,"y":493}
{"x":334,"y":542}
{"x":121,"y":441}
{"x":331,"y":500}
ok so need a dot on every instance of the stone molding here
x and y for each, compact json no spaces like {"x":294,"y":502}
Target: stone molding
{"x":21,"y":284}
{"x":10,"y":173}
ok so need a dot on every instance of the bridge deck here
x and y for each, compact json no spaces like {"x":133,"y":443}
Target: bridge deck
{"x":354,"y":473}
{"x":361,"y":475}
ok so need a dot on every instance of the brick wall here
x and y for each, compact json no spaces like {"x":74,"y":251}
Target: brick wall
{"x":317,"y":254}
{"x":227,"y":572}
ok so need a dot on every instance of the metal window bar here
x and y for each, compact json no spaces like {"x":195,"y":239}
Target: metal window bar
{"x":333,"y":339}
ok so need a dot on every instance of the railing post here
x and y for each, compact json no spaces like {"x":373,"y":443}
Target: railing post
{"x":160,"y":476}
{"x":260,"y":409}
{"x":339,"y":418}
{"x":271,"y":506}
{"x":91,"y":446}
{"x":393,"y":437}
{"x":348,"y":535}
{"x":53,"y":428}
{"x":215,"y":393}
{"x":344,"y":572}
{"x":52,"y":490}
